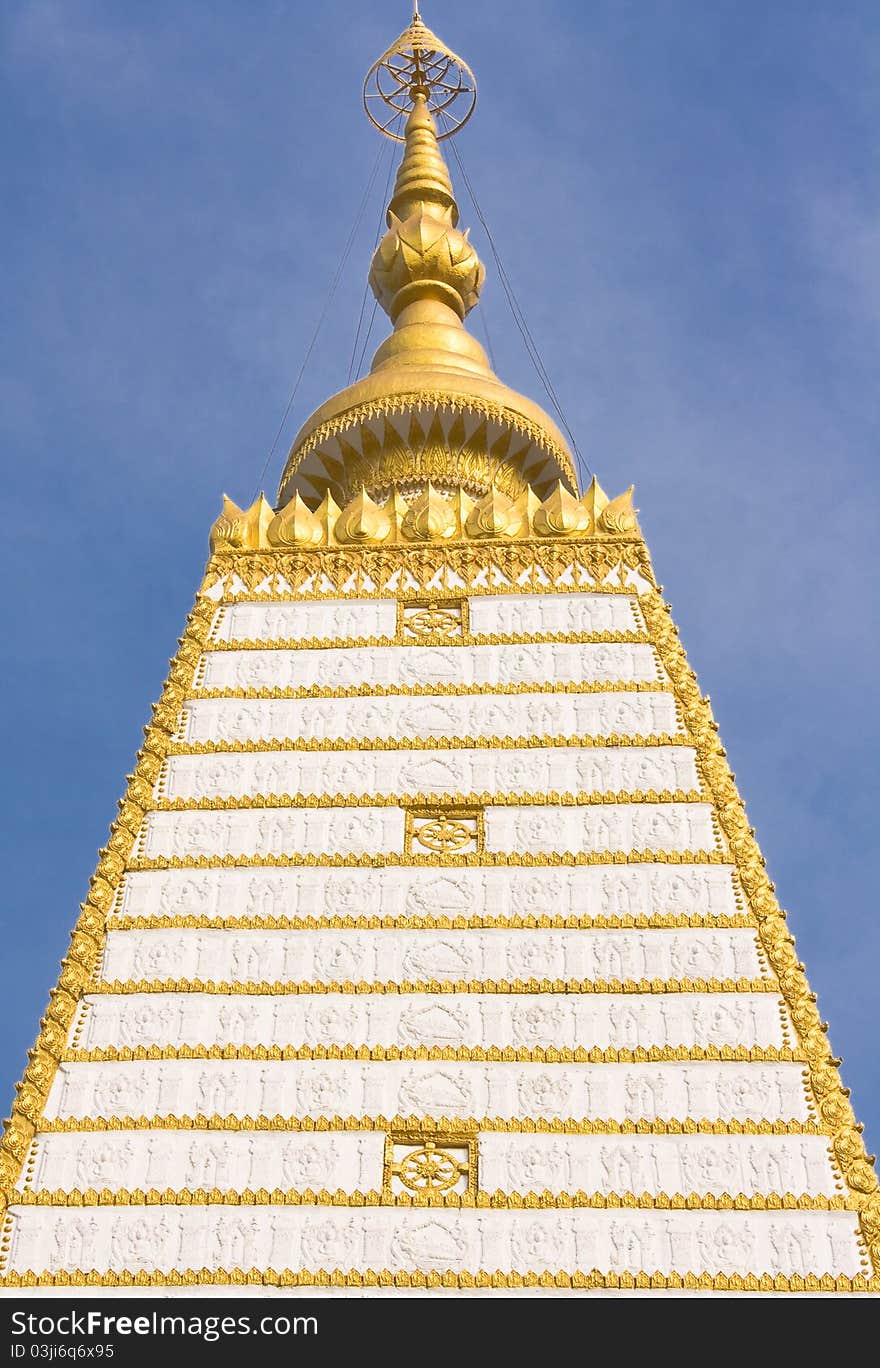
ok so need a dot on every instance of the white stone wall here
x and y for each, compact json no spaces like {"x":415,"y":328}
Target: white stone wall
{"x":499,"y":891}
{"x":403,"y":773}
{"x":434,"y":952}
{"x":351,"y":1161}
{"x":409,"y":666}
{"x":521,"y":1020}
{"x":168,"y":1237}
{"x":462,"y":1089}
{"x":393,"y":956}
{"x":220,"y":720}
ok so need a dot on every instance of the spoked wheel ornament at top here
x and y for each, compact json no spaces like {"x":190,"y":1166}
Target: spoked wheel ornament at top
{"x":419,"y":63}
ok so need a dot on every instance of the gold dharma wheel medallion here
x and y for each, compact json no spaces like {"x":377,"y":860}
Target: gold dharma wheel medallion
{"x":444,"y":835}
{"x":430,"y":1169}
{"x":418,"y":62}
{"x":433,"y":622}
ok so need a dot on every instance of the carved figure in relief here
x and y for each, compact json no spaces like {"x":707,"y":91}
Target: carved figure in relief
{"x":841,"y":1242}
{"x":446,"y":895}
{"x":535,"y":957}
{"x":266,"y":896}
{"x":119,"y":1094}
{"x":208,"y":1164}
{"x":342,"y":670}
{"x":218,"y":1093}
{"x":191,"y":896}
{"x":536,"y":1168}
{"x":629,"y":1024}
{"x":434,"y":1025}
{"x":440,"y":1093}
{"x":359,"y":833}
{"x":235,"y":1242}
{"x":337,"y":960}
{"x":272,"y":774}
{"x":722,"y":1025}
{"x":147,"y":1023}
{"x":535,"y":832}
{"x":816,"y":1166}
{"x":746,"y":1094}
{"x":654,"y":830}
{"x":535,"y":895}
{"x":433,"y":1244}
{"x":156,"y":956}
{"x":420,"y":665}
{"x":645,"y":1095}
{"x":73,"y":1244}
{"x":770,"y":1170}
{"x":101,"y":1163}
{"x":438,"y":959}
{"x":307,"y":1164}
{"x":591,"y":767}
{"x":620,"y":894}
{"x":332,"y":1023}
{"x":544,"y":1094}
{"x":434,"y":775}
{"x":237,"y":1022}
{"x":344,"y":897}
{"x":725,"y":1248}
{"x":709,"y":1168}
{"x":138,"y":1241}
{"x":537,"y":1023}
{"x":322,"y":1094}
{"x":330,"y":1243}
{"x":632,"y":1247}
{"x":616,"y":957}
{"x":251,"y":959}
{"x":536,"y":1244}
{"x":274,"y":834}
{"x":693,"y":958}
{"x":624,"y":1169}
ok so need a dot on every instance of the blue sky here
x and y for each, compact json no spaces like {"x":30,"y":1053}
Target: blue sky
{"x":686,"y":194}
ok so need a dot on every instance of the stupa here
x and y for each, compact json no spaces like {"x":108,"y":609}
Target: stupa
{"x":431,"y":949}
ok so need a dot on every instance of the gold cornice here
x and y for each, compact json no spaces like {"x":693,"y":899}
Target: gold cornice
{"x":393,"y":860}
{"x":749,"y":1283}
{"x":198,"y":695}
{"x":426,"y":1125}
{"x":405,"y":987}
{"x":478,"y":922}
{"x":605,"y":741}
{"x":633,"y":638}
{"x":249,"y":802}
{"x":462,"y":1054}
{"x":483,"y":1199}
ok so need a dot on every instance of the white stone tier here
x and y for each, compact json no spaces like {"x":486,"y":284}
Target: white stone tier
{"x":526,"y":829}
{"x":309,"y":1238}
{"x":351,"y":1161}
{"x":354,"y":719}
{"x":315,"y":1088}
{"x":539,"y":769}
{"x":521,"y":1020}
{"x":320,"y":620}
{"x":622,"y":891}
{"x":516,"y":614}
{"x":350,"y":619}
{"x":457,"y":666}
{"x":394,"y":956}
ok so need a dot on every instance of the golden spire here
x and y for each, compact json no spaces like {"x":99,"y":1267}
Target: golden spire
{"x":430,"y":411}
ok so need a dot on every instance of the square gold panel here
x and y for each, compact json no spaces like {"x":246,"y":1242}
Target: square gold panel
{"x":430,"y":1168}
{"x":444,"y":831}
{"x":432,"y":620}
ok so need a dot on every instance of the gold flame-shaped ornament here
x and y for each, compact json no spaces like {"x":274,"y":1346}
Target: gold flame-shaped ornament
{"x":295,"y":525}
{"x":494,"y":516}
{"x":430,"y":518}
{"x":362,"y":520}
{"x":619,"y":516}
{"x":240,"y":529}
{"x":561,"y":514}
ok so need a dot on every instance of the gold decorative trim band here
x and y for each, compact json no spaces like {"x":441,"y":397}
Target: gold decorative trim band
{"x":493,"y":1054}
{"x":405,"y":986}
{"x":607,"y":740}
{"x":633,"y":638}
{"x":426,"y":1125}
{"x":662,"y":921}
{"x":435,"y":690}
{"x":578,"y":1281}
{"x":395,"y":860}
{"x":495,"y":1201}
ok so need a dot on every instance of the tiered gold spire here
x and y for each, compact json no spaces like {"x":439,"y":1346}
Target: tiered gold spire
{"x":431,"y":409}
